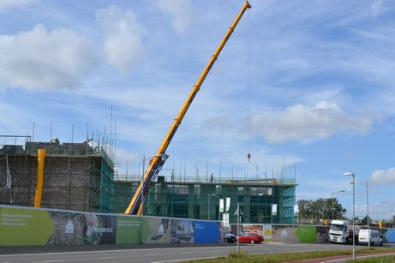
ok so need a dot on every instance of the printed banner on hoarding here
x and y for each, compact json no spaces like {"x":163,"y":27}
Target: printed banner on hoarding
{"x":206,"y":232}
{"x":267,"y":233}
{"x":99,"y":229}
{"x":24,"y":227}
{"x":128,"y":230}
{"x":227,"y":206}
{"x":182,"y":231}
{"x":274,"y":209}
{"x":221,"y":205}
{"x":156,"y":230}
{"x":225,"y":219}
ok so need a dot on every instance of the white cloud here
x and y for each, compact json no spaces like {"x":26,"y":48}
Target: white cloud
{"x":124,"y":159}
{"x":179,"y":10}
{"x":304,"y":123}
{"x":386,"y":176}
{"x":377,"y":8}
{"x":42,"y":59}
{"x":5,"y":4}
{"x":123,"y":45}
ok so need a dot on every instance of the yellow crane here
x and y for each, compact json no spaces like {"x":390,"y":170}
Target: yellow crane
{"x":136,"y":205}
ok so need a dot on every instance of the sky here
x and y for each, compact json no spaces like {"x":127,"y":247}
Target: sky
{"x":305,"y":87}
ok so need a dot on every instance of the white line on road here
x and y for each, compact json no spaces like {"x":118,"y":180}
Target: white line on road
{"x":107,"y":258}
{"x":51,"y":260}
{"x":181,"y":260}
{"x":101,"y":251}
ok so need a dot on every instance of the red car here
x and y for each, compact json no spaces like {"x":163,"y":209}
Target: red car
{"x":250,"y":238}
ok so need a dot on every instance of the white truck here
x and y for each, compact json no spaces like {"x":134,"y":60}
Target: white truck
{"x":340,"y":231}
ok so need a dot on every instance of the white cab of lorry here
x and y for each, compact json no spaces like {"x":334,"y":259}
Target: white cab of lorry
{"x":340,"y":231}
{"x":370,"y":235}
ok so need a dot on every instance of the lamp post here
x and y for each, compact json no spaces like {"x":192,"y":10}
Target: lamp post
{"x":353,"y":212}
{"x":333,"y":199}
{"x":367,"y":209}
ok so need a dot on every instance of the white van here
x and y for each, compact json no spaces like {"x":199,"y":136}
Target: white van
{"x":370,"y":235}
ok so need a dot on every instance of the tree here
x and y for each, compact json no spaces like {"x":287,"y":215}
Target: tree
{"x":320,"y":209}
{"x":364,"y":221}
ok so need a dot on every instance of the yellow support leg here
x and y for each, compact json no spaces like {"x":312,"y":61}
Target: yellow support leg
{"x":40,"y":178}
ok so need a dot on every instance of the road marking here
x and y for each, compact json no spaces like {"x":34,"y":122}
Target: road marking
{"x":182,"y":260}
{"x":187,"y":252}
{"x":106,"y":258}
{"x":51,"y":260}
{"x":105,"y":251}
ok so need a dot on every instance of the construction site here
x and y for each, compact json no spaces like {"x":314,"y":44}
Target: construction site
{"x":81,"y":176}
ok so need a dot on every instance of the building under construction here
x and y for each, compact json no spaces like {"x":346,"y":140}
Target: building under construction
{"x":77,"y":176}
{"x":80,"y":176}
{"x":261,"y":201}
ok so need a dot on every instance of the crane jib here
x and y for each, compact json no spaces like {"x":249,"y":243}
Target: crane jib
{"x":156,"y":163}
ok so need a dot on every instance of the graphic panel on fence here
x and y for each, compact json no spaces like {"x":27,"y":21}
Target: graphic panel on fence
{"x":24,"y":227}
{"x":207,"y":232}
{"x":68,"y":228}
{"x":182,"y":231}
{"x":99,"y":229}
{"x":306,"y":234}
{"x":128,"y":230}
{"x":155,"y":230}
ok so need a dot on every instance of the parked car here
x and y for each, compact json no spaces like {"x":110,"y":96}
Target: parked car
{"x":370,"y":235}
{"x":230,"y":238}
{"x":250,"y":238}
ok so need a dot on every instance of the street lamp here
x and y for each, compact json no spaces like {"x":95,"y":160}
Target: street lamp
{"x":333,"y":197}
{"x":353,"y":212}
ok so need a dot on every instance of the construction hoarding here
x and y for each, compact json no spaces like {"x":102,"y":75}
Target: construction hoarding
{"x":22,"y":226}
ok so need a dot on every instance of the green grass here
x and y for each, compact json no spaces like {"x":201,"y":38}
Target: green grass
{"x":385,"y":259}
{"x":286,"y":257}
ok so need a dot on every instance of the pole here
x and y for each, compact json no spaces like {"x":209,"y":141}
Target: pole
{"x":353,"y":217}
{"x":208,"y":211}
{"x":238,"y":228}
{"x":367,"y":210}
{"x":333,"y":208}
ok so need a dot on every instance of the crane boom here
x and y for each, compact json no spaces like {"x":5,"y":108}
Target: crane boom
{"x":137,"y":203}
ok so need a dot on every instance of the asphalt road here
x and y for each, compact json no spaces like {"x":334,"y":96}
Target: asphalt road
{"x":159,"y":255}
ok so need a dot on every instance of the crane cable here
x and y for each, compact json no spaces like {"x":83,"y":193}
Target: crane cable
{"x":248,"y":130}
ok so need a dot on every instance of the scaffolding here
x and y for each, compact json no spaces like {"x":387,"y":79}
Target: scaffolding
{"x":199,"y":198}
{"x":78,"y":176}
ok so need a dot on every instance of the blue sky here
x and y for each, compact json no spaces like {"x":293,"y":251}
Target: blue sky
{"x":306,"y":87}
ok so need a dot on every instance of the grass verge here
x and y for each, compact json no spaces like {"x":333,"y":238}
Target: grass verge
{"x":385,"y":259}
{"x":287,"y":257}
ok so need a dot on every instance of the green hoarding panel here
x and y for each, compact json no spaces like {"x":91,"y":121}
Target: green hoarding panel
{"x":24,"y":227}
{"x":128,"y":230}
{"x":306,"y":234}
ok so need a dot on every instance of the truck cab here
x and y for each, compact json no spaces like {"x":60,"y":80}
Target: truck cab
{"x":340,"y":231}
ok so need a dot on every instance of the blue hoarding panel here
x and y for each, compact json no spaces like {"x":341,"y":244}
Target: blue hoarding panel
{"x":390,"y":235}
{"x":206,"y":232}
